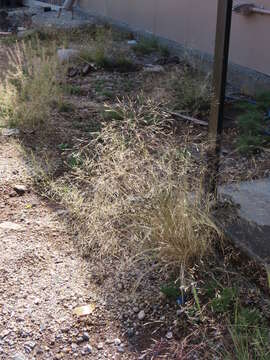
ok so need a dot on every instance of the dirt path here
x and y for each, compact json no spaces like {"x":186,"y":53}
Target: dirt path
{"x":42,"y":279}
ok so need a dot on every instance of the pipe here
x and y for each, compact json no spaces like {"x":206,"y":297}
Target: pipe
{"x":249,"y":9}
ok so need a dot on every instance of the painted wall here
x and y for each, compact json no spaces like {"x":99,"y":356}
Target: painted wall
{"x":192,"y":23}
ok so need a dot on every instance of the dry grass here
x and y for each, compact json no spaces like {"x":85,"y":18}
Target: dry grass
{"x":31,"y":88}
{"x":128,"y":191}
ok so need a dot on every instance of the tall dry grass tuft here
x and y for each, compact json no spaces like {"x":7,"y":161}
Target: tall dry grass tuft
{"x":130,"y":191}
{"x":31,"y":87}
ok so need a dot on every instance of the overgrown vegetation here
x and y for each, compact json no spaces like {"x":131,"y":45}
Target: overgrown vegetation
{"x":132,"y":188}
{"x":31,"y":89}
{"x":138,"y":200}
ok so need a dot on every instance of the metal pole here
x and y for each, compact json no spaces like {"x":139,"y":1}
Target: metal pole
{"x":215,"y":127}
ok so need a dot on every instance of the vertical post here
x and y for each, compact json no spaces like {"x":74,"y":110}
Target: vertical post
{"x":223,"y":30}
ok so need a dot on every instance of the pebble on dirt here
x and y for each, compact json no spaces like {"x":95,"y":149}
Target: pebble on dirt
{"x":20,"y":189}
{"x":141,"y":315}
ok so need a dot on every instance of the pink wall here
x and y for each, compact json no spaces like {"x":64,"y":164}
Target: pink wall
{"x":192,"y":23}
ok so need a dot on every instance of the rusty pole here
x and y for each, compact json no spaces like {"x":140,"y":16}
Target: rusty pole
{"x":215,"y":127}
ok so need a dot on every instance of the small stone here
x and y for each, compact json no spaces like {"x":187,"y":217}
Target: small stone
{"x":100,"y":346}
{"x":169,"y":335}
{"x":20,"y":189}
{"x":4,"y":333}
{"x":18,"y":356}
{"x":120,"y":286}
{"x":80,"y":340}
{"x":87,"y":349}
{"x":120,"y":349}
{"x":117,"y":342}
{"x":141,"y":315}
{"x":86,"y":336}
{"x":74,"y":347}
{"x":29,"y":346}
{"x":136,"y":309}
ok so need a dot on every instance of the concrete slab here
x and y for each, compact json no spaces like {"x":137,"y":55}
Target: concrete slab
{"x":253,"y":198}
{"x":248,"y":225}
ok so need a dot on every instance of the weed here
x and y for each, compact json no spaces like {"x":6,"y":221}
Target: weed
{"x":192,"y":93}
{"x":66,"y":107}
{"x":249,"y":335}
{"x":224,"y":300}
{"x":31,"y":88}
{"x":147,"y":46}
{"x":252,"y":125}
{"x":129,"y":192}
{"x":72,"y":89}
{"x":171,"y":291}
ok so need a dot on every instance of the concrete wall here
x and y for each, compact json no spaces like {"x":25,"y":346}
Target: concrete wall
{"x":192,"y":23}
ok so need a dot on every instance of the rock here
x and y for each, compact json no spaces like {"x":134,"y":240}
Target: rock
{"x":80,"y":340}
{"x":141,"y":315}
{"x":120,"y":286}
{"x":100,"y":346}
{"x":4,"y":333}
{"x":29,"y":346}
{"x":66,"y":55}
{"x":7,"y":225}
{"x":20,"y":189}
{"x":86,"y":336}
{"x":169,"y":335}
{"x":120,"y":349}
{"x":10,"y":132}
{"x":136,"y":309}
{"x":87,"y":349}
{"x":154,"y":69}
{"x":74,"y":347}
{"x":117,"y":342}
{"x":18,"y":356}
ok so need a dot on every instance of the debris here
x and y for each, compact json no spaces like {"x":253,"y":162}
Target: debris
{"x":120,"y":349}
{"x":66,"y":55}
{"x":132,"y":42}
{"x":87,"y":69}
{"x":84,"y":310}
{"x":10,"y":132}
{"x":72,"y":72}
{"x":189,"y":118}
